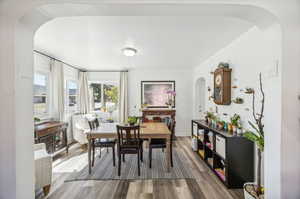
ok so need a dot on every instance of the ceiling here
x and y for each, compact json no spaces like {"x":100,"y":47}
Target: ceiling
{"x":169,"y":42}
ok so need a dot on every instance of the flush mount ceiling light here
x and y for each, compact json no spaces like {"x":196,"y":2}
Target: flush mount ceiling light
{"x":129,"y":52}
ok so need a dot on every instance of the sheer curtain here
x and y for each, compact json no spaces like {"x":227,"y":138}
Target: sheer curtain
{"x":57,"y":106}
{"x":123,"y":97}
{"x":84,"y":99}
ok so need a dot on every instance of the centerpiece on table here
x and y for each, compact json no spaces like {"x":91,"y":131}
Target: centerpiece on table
{"x":132,"y":120}
{"x":171,"y":98}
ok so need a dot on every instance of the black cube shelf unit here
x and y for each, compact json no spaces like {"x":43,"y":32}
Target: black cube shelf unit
{"x":229,"y":156}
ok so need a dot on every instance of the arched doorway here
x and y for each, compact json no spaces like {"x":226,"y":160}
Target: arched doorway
{"x":200,"y":96}
{"x":17,"y":109}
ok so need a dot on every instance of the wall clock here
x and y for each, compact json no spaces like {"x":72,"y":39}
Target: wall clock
{"x":222,"y":86}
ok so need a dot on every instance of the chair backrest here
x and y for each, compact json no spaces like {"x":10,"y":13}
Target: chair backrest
{"x":128,"y":134}
{"x":172,"y":127}
{"x":94,"y":123}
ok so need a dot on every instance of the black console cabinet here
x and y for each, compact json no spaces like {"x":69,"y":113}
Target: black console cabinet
{"x":229,"y":156}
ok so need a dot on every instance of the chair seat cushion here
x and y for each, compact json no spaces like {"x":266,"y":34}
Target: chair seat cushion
{"x":104,"y":142}
{"x":158,"y":141}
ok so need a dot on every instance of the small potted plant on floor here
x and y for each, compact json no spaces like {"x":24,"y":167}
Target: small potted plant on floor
{"x":252,"y":190}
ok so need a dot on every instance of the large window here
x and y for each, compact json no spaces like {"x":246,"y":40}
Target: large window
{"x":105,"y":96}
{"x":40,"y":94}
{"x":71,"y":101}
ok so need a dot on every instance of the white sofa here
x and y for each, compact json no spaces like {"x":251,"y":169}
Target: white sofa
{"x":43,"y":168}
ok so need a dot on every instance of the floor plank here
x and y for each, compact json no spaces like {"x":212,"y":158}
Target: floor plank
{"x":205,"y":184}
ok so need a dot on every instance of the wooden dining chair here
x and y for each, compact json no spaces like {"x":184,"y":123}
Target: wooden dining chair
{"x":129,"y":142}
{"x":101,"y":142}
{"x":158,"y":143}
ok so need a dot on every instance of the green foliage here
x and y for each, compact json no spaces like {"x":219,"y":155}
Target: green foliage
{"x":210,"y":115}
{"x":235,"y":119}
{"x":132,"y":119}
{"x":112,"y":94}
{"x":36,"y":119}
{"x":257,"y":139}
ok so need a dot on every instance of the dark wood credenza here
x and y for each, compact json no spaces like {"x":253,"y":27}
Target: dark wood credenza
{"x":53,"y":134}
{"x":230,"y":157}
{"x":158,"y":112}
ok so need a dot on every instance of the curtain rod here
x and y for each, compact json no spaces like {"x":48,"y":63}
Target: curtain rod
{"x":78,"y":68}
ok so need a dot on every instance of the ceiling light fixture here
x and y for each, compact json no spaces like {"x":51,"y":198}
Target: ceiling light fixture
{"x":129,"y":52}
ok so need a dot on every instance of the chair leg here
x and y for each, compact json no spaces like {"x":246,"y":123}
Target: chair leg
{"x":150,"y":157}
{"x":123,"y":157}
{"x":46,"y":189}
{"x":119,"y":164}
{"x":138,"y":161}
{"x":171,"y":154}
{"x":93,"y":153}
{"x":100,"y":152}
{"x":113,"y":154}
{"x":163,"y":150}
{"x":106,"y":149}
{"x":141,"y":153}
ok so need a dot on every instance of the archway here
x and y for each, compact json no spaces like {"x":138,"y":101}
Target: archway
{"x":20,"y":61}
{"x":200,"y":95}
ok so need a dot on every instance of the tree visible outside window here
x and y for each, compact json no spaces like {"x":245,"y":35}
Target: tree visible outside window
{"x":105,"y":96}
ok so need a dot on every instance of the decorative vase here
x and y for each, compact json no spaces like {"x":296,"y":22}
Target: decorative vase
{"x":249,"y":192}
{"x":234,"y":129}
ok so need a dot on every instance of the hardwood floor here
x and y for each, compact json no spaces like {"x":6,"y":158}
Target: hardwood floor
{"x":207,"y":187}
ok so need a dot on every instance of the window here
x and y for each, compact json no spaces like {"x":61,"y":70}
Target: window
{"x":105,"y":96}
{"x":71,"y":95}
{"x":40,"y":94}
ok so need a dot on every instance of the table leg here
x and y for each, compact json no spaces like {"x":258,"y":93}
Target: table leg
{"x":168,"y":157}
{"x":89,"y":154}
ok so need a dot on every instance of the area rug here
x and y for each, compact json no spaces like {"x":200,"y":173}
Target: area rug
{"x":104,"y":170}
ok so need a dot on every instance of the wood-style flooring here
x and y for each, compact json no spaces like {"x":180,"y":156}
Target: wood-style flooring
{"x":208,"y":187}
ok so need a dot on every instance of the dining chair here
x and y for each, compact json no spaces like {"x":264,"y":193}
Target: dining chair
{"x":129,"y":142}
{"x":158,"y":143}
{"x":101,"y":142}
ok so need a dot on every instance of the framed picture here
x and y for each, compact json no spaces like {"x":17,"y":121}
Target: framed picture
{"x":158,"y":94}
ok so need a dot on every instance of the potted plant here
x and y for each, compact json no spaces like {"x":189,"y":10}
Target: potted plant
{"x":252,"y":190}
{"x":235,"y":122}
{"x":132,"y":120}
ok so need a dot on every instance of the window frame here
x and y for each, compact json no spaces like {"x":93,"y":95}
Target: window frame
{"x":47,"y":113}
{"x":103,"y":82}
{"x":67,"y":96}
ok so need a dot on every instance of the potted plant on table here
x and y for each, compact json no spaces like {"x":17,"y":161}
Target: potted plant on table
{"x":132,"y":120}
{"x":252,"y":190}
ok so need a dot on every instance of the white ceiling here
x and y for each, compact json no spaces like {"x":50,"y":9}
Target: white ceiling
{"x":169,"y":42}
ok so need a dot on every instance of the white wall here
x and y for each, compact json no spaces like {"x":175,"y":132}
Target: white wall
{"x":183,"y":79}
{"x":253,"y":52}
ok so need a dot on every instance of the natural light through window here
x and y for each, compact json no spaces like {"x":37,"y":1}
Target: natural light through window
{"x":40,"y":92}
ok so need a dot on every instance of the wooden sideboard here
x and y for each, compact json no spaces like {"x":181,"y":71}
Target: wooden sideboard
{"x":230,"y":157}
{"x":154,"y":112}
{"x":53,"y":134}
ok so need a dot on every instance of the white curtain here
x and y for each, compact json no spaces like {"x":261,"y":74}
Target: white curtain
{"x":57,"y":105}
{"x":84,"y":99}
{"x":123,"y":97}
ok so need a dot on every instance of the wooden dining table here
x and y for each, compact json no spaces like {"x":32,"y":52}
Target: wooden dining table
{"x":147,"y":131}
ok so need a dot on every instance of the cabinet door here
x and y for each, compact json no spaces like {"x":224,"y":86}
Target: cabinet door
{"x":221,"y":146}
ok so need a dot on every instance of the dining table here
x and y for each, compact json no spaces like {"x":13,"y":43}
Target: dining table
{"x":148,"y":130}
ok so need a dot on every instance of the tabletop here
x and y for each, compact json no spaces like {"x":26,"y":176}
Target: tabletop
{"x":151,"y":128}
